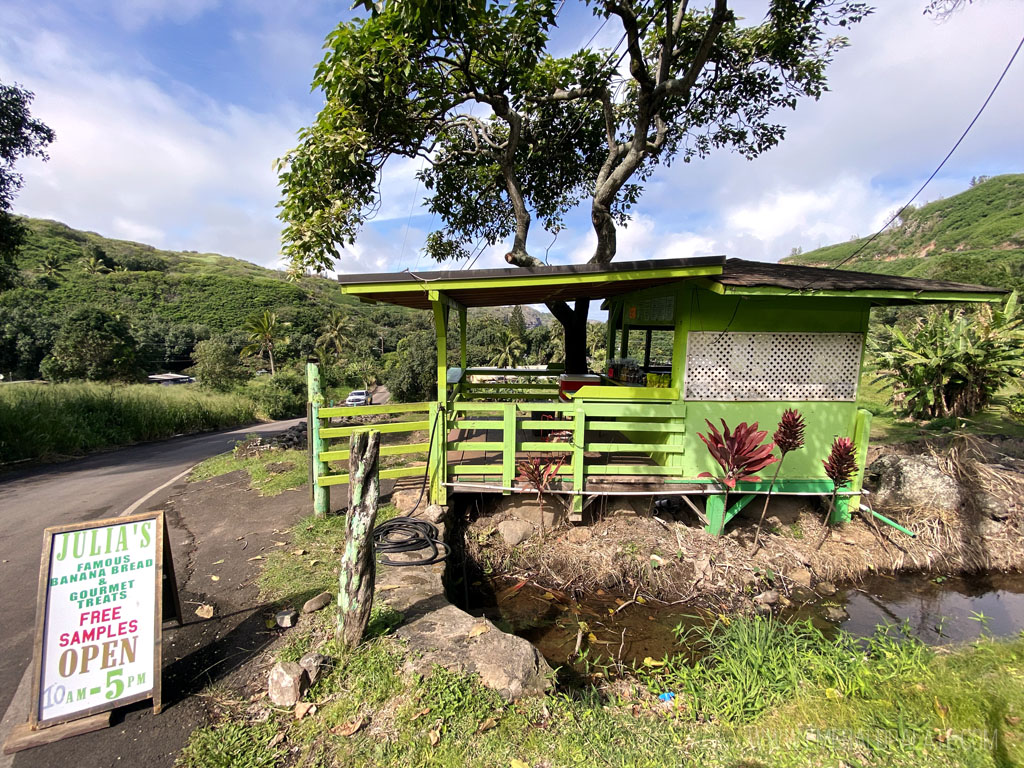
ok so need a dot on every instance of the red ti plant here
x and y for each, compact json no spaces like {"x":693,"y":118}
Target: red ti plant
{"x":789,"y":436}
{"x":539,"y":475}
{"x":740,"y":454}
{"x":840,"y":466}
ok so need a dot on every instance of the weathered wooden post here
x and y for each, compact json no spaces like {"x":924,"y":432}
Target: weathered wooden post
{"x":317,"y":445}
{"x":356,"y":576}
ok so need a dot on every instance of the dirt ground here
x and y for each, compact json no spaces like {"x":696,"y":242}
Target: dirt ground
{"x":216,"y":528}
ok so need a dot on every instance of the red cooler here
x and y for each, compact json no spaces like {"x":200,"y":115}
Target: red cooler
{"x":570,"y":382}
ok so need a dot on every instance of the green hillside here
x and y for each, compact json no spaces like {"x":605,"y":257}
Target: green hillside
{"x":976,"y":236}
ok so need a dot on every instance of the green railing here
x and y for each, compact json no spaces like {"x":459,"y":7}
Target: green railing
{"x":330,"y":443}
{"x":574,"y":420}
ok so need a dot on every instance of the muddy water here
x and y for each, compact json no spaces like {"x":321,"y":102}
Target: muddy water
{"x":611,"y":626}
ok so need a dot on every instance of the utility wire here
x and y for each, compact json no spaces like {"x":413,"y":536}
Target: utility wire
{"x":934,"y":173}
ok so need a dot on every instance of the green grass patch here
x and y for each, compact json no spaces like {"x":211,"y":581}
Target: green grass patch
{"x":42,"y":421}
{"x":270,"y":473}
{"x":763,"y":693}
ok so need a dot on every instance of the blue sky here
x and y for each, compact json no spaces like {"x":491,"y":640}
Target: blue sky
{"x":169,"y":114}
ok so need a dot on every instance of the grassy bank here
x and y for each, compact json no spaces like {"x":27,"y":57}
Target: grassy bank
{"x":40,"y":421}
{"x":270,"y":473}
{"x":764,"y":694}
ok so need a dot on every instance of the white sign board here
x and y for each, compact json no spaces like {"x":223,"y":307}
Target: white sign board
{"x":99,"y":617}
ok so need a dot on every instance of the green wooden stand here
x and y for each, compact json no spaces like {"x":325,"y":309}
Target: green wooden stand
{"x":317,"y":445}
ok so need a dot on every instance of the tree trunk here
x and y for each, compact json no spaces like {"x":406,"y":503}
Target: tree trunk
{"x":271,"y":353}
{"x":356,"y":578}
{"x":576,"y":338}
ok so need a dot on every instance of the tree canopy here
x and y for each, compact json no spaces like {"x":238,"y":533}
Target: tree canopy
{"x":511,"y":130}
{"x":21,"y":135}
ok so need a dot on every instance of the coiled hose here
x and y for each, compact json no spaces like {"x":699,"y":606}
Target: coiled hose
{"x":409,"y":534}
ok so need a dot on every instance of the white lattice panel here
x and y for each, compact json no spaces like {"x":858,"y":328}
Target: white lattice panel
{"x":772,"y":366}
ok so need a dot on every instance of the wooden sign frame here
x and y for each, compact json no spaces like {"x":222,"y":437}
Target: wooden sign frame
{"x":164,"y":583}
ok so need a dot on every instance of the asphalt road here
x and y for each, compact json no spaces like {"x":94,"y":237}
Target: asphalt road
{"x":98,"y":486}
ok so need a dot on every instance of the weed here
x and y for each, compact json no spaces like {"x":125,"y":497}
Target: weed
{"x":231,"y":745}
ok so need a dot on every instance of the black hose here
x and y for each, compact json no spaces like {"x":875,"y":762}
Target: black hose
{"x":409,"y":534}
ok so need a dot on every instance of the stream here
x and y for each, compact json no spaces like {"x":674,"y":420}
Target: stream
{"x":938,"y":610}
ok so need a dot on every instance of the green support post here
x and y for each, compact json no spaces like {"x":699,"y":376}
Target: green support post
{"x":462,"y":339}
{"x":437,"y":469}
{"x":579,"y":436}
{"x":845,"y":505}
{"x":718,"y":517}
{"x":508,"y":450}
{"x":317,"y":444}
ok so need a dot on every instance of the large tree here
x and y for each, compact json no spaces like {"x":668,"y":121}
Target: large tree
{"x":510,"y":132}
{"x":20,"y":136}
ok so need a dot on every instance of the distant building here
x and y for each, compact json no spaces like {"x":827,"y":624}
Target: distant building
{"x":167,"y":379}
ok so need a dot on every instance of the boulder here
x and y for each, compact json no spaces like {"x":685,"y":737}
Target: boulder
{"x":515,"y":532}
{"x":771,"y":597}
{"x":836,"y":614}
{"x":451,"y":638}
{"x":912,"y":482}
{"x":434,"y":513}
{"x":316,"y":603}
{"x":288,"y":682}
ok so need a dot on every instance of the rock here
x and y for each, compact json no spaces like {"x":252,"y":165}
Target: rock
{"x":515,"y":532}
{"x":800,"y":577}
{"x":912,"y":482}
{"x":451,"y":638}
{"x":785,"y":602}
{"x":763,"y":609}
{"x":836,"y":614}
{"x":826,"y":588}
{"x":435,"y":513}
{"x":802,"y":594}
{"x":524,"y":506}
{"x":316,"y":603}
{"x":580,"y":535}
{"x":315,"y":665}
{"x":287,"y":683}
{"x":205,"y":611}
{"x":990,"y":528}
{"x":287,"y":618}
{"x":771,"y":597}
{"x":404,"y":500}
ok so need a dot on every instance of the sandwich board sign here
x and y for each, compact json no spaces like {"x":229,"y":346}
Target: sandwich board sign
{"x":101,"y":605}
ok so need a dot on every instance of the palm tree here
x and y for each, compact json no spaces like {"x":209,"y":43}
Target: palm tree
{"x":52,"y":266}
{"x":511,"y":349}
{"x":335,"y":333}
{"x":264,"y":333}
{"x":94,"y":265}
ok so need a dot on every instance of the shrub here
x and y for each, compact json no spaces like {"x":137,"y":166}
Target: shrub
{"x":216,"y":365}
{"x":951,"y":363}
{"x":1015,"y":407}
{"x":278,"y":397}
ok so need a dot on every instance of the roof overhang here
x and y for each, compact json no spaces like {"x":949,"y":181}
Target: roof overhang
{"x":526,"y":285}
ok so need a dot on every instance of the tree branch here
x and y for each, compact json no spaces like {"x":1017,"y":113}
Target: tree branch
{"x":637,"y":65}
{"x":681,"y":86}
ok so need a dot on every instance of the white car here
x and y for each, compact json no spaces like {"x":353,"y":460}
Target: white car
{"x":359,"y":397}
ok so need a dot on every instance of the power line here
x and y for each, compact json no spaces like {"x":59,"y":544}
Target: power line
{"x":933,"y":174}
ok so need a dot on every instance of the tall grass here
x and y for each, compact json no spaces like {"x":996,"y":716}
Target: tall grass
{"x":40,"y":421}
{"x":747,"y":666}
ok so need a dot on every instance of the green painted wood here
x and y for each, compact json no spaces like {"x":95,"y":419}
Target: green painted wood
{"x":479,"y":424}
{"x":635,"y":448}
{"x":526,"y":279}
{"x":464,"y":407}
{"x":476,"y":469}
{"x":644,"y":394}
{"x":441,"y":339}
{"x":652,"y":410}
{"x":399,"y":426}
{"x":315,"y":398}
{"x":505,"y":396}
{"x":549,"y":424}
{"x":373,"y":410}
{"x":512,"y":372}
{"x":924,"y":297}
{"x":714,"y":513}
{"x":546,"y":447}
{"x":557,"y":407}
{"x":330,"y":480}
{"x":470,"y":445}
{"x":782,"y":485}
{"x":385,"y":450}
{"x":637,"y":426}
{"x":437,"y":470}
{"x":861,"y":438}
{"x":579,"y":437}
{"x":462,"y":337}
{"x":508,"y":456}
{"x":627,"y":469}
{"x":512,"y":386}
